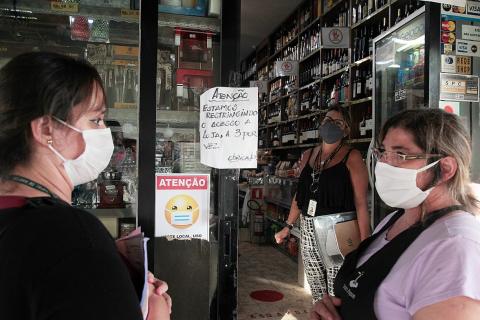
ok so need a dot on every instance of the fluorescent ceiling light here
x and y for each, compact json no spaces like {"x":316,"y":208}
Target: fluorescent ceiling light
{"x":412,"y":43}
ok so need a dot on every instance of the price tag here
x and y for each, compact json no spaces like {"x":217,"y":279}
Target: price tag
{"x":127,"y":13}
{"x":64,"y":7}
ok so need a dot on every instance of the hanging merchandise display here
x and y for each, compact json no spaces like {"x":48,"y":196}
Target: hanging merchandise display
{"x":79,"y":28}
{"x":100,"y":31}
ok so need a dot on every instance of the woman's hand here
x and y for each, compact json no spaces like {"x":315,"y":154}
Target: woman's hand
{"x":160,"y":303}
{"x":281,"y":235}
{"x":158,"y":307}
{"x":325,"y":309}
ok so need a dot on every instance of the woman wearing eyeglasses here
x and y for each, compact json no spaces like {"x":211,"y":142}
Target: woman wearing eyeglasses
{"x":333,"y":179}
{"x":422,"y":261}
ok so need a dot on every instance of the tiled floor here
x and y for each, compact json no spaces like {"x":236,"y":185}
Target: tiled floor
{"x":262,"y":267}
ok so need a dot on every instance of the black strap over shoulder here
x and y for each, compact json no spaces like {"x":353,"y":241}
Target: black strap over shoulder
{"x":356,"y":286}
{"x":347,"y":155}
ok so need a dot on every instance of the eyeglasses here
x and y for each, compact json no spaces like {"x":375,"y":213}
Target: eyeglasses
{"x":395,"y":158}
{"x":337,"y":122}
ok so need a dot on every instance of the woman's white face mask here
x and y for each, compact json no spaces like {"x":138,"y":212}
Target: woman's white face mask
{"x":95,"y":158}
{"x":397,"y":187}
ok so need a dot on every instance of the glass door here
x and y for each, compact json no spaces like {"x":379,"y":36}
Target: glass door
{"x":400,"y":81}
{"x":106,"y":35}
{"x":188,"y":64}
{"x":400,"y":70}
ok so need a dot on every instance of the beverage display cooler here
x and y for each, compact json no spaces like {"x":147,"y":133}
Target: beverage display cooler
{"x":400,"y":79}
{"x":411,"y":61}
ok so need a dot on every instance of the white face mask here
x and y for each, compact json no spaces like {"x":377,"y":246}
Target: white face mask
{"x":95,"y":158}
{"x":397,"y":187}
{"x":181,"y":218}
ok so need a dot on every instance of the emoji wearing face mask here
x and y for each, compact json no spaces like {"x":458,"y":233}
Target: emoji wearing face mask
{"x":182,"y":211}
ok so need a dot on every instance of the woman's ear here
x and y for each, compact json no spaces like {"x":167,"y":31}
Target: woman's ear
{"x":448,"y":167}
{"x":42,"y":130}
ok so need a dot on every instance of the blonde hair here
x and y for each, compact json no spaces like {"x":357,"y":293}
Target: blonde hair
{"x":439,"y":132}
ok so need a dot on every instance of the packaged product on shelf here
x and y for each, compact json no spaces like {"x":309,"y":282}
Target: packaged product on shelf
{"x":79,"y":28}
{"x":100,"y":30}
{"x":110,"y":190}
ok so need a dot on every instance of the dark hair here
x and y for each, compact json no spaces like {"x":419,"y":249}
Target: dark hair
{"x":344,"y":112}
{"x":438,"y":132}
{"x":33,"y":85}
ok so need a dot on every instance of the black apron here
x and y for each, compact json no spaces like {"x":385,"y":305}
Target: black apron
{"x":356,"y":287}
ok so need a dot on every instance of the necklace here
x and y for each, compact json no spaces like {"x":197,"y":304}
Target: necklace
{"x":317,"y":169}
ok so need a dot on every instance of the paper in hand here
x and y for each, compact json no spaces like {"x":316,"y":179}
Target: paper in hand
{"x":133,"y":250}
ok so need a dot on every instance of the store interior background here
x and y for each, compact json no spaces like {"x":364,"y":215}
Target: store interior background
{"x":167,"y":137}
{"x":261,"y":267}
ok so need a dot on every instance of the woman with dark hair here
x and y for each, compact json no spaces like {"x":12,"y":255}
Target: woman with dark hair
{"x":58,"y":262}
{"x":422,"y":260}
{"x":334,"y":179}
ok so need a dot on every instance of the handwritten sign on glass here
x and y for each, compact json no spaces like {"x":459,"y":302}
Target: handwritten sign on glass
{"x":229,"y":127}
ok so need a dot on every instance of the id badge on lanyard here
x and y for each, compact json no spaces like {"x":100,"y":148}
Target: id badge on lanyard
{"x":312,"y":208}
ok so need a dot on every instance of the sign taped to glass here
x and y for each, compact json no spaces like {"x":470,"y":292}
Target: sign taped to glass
{"x":229,"y":127}
{"x":455,"y":87}
{"x":182,"y":206}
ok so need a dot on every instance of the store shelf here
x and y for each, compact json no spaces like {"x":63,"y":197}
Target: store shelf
{"x":277,"y":203}
{"x":332,"y":7}
{"x":359,"y":101}
{"x":291,"y":93}
{"x":317,"y":19}
{"x":116,"y":14}
{"x":378,"y":11}
{"x":286,"y":45}
{"x":311,"y":54}
{"x":361,"y":61}
{"x":274,"y":79}
{"x":275,"y":54}
{"x":313,"y":114}
{"x":336,"y":73}
{"x":262,"y":63}
{"x":310,"y":84}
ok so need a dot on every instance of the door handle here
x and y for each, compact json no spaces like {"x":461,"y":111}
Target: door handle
{"x":227,"y":243}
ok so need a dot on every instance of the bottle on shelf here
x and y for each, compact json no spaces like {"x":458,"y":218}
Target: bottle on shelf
{"x":262,"y":138}
{"x":364,"y":9}
{"x":371,"y":36}
{"x":274,"y":113}
{"x":305,"y":101}
{"x":370,"y":7}
{"x":384,"y":24}
{"x":358,"y":86}
{"x":274,"y":137}
{"x":289,"y":134}
{"x":369,"y":83}
{"x":354,"y":11}
{"x":308,"y":130}
{"x":359,"y":10}
{"x":399,"y":16}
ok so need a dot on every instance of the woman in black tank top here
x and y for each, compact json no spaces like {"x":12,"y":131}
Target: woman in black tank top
{"x":333,"y":178}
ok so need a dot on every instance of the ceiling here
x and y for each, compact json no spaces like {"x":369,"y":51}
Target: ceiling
{"x":260,"y":18}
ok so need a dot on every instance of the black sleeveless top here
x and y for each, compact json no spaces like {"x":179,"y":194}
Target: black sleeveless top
{"x":335,"y":190}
